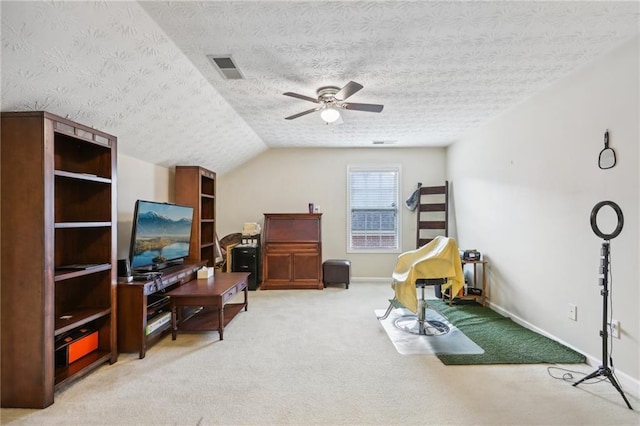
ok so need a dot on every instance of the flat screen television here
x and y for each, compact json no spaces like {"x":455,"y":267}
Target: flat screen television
{"x":160,"y":235}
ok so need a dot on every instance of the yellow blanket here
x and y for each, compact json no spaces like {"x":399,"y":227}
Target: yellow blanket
{"x":438,"y":259}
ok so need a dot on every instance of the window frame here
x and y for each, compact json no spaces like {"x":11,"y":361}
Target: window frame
{"x":396,"y":168}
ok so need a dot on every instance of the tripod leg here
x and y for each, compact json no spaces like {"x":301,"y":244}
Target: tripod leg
{"x":615,"y":384}
{"x":596,"y":373}
{"x":606,"y":372}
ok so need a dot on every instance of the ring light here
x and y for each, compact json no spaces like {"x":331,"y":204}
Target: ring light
{"x":594,"y":224}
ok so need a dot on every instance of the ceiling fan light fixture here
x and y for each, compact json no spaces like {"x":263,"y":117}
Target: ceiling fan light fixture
{"x":330,"y":114}
{"x":330,"y":100}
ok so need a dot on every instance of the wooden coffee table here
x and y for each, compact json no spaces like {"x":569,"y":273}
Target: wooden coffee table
{"x":209,"y":297}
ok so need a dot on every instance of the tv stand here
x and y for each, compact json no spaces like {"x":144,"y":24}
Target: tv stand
{"x":143,"y":314}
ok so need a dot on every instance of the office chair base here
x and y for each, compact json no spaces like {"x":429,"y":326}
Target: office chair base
{"x":411,"y":324}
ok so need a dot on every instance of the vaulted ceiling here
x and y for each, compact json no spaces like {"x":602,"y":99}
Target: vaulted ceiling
{"x":140,"y":71}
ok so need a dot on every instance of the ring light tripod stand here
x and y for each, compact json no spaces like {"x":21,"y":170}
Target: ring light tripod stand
{"x":604,"y":369}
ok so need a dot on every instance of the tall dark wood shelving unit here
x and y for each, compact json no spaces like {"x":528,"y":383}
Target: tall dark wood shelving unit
{"x":196,"y":186}
{"x":58,"y":209}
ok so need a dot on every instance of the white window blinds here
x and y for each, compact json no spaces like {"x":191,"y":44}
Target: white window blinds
{"x":373,"y":208}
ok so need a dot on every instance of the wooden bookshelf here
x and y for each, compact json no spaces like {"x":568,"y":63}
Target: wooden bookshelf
{"x":196,"y":187}
{"x":58,"y":209}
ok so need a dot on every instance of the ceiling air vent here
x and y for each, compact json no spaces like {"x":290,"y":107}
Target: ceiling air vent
{"x":226,"y":67}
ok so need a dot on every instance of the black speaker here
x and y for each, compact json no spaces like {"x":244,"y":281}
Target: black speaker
{"x":124,"y":268}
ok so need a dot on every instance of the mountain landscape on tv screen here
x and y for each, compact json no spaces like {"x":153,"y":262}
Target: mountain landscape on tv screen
{"x":152,"y":224}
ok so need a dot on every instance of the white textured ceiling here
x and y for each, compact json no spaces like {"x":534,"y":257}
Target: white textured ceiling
{"x":139,"y":70}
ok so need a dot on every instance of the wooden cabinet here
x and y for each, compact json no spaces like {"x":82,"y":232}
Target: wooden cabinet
{"x":58,"y":253}
{"x":292,"y":251}
{"x":196,"y":187}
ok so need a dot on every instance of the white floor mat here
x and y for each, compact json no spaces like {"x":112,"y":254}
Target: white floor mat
{"x":406,"y":343}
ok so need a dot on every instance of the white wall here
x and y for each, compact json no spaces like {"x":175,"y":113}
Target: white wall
{"x":286,"y":180}
{"x":523,"y":187}
{"x":138,"y":180}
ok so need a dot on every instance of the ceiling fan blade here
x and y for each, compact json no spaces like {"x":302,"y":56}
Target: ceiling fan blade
{"x":363,"y":107}
{"x":349,"y":89}
{"x":300,"y":114}
{"x":303,"y":97}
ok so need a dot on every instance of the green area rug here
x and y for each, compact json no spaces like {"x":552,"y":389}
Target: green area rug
{"x":503,"y":341}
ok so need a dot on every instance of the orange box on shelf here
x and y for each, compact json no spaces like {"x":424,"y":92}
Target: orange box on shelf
{"x":83,"y":346}
{"x":78,"y":347}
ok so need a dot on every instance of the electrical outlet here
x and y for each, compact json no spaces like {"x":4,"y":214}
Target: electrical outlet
{"x":572,"y":312}
{"x":614,"y":329}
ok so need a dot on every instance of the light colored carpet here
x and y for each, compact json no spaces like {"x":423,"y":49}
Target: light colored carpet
{"x":318,"y":357}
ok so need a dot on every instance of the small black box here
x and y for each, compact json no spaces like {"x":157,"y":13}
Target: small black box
{"x":471,"y":255}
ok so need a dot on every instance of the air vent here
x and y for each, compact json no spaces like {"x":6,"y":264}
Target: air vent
{"x":226,"y":67}
{"x":389,"y":142}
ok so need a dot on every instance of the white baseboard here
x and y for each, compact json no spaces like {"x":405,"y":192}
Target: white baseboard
{"x":376,"y":280}
{"x":629,"y":384}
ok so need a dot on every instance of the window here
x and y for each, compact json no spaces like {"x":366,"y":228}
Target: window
{"x":373,"y":217}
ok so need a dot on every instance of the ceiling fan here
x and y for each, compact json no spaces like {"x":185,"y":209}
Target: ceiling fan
{"x":331,"y":100}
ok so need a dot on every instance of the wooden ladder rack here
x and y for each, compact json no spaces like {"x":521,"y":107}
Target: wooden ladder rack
{"x":432,"y":213}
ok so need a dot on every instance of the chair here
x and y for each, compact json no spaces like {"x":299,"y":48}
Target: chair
{"x":435,"y":263}
{"x":418,"y":323}
{"x":227,"y":243}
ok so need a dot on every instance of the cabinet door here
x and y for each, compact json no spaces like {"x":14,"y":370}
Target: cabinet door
{"x":278,"y":267}
{"x":292,"y":266}
{"x":305,"y":266}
